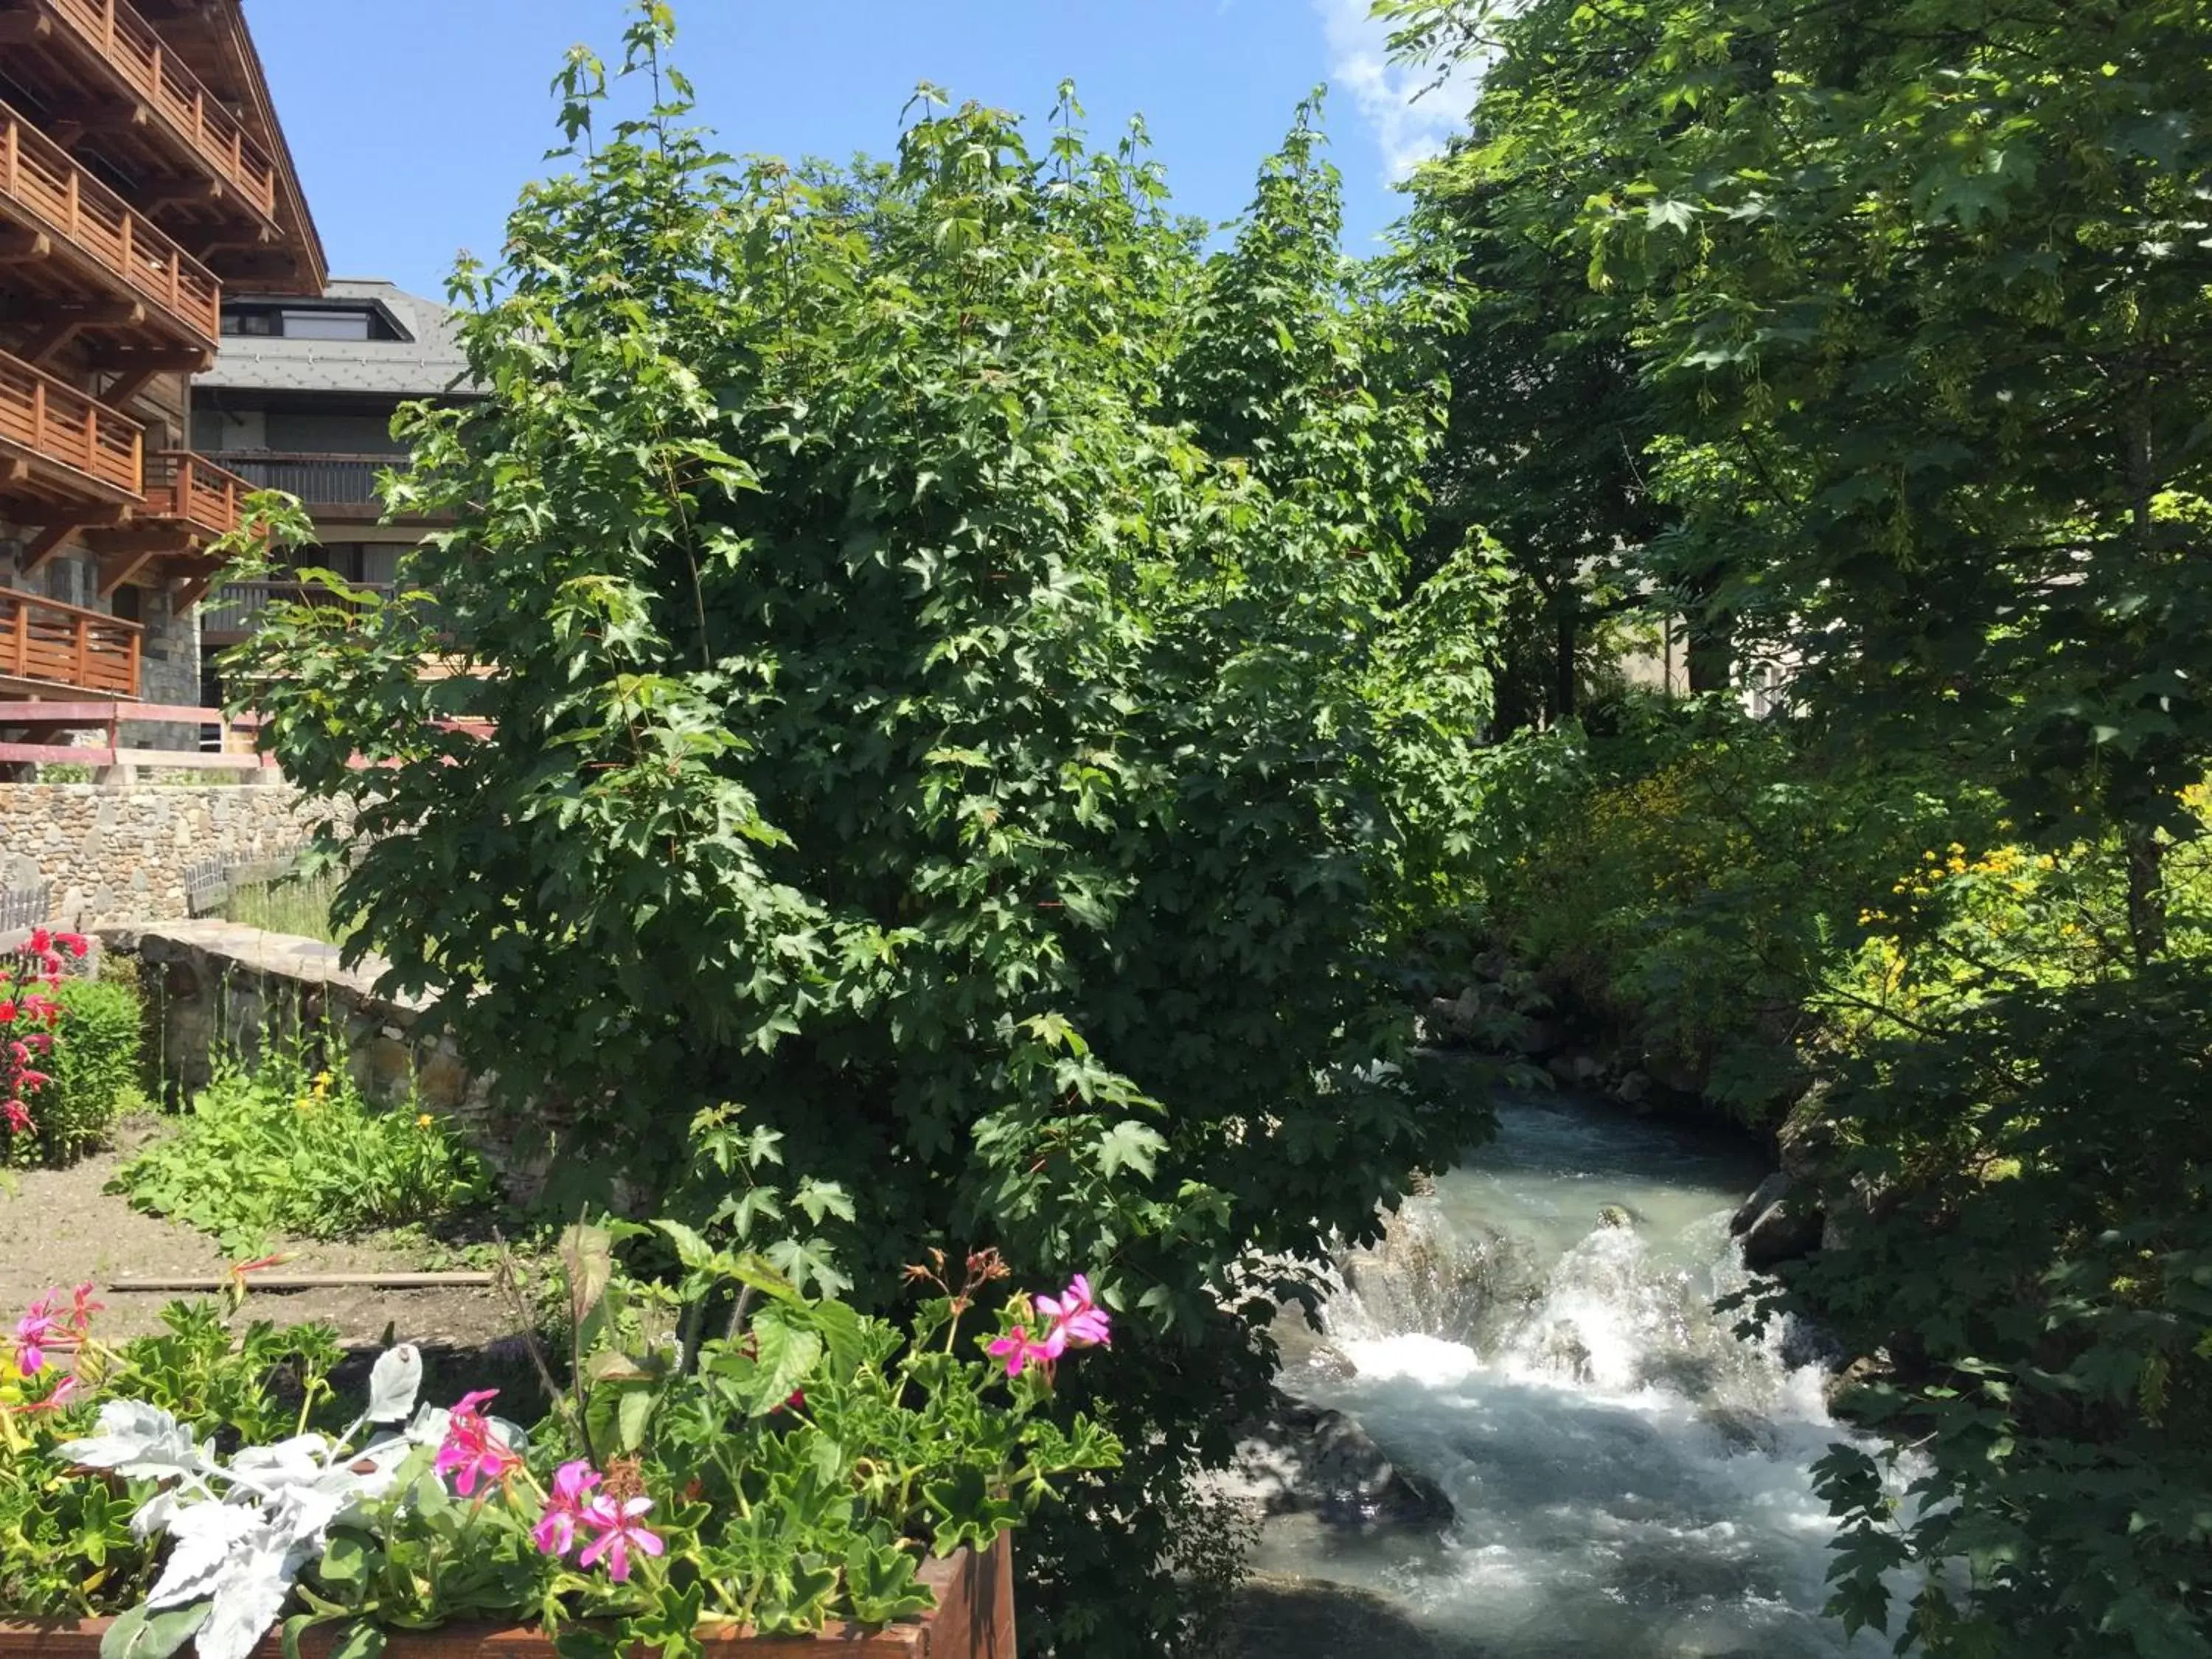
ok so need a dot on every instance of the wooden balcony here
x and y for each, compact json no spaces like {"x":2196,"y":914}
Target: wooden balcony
{"x":71,"y":235}
{"x":140,"y":94}
{"x":59,"y":444}
{"x":46,"y":646}
{"x":188,"y":489}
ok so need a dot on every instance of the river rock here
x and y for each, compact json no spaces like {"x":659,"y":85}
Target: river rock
{"x":1536,"y":1038}
{"x":1851,"y":1390}
{"x":1277,"y":1616}
{"x":1769,"y":1192}
{"x":1784,"y":1231}
{"x":1303,"y":1458}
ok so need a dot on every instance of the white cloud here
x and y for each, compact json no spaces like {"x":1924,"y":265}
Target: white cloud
{"x":1411,"y":114}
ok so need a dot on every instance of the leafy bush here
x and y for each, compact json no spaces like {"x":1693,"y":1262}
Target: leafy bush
{"x":1693,"y":881}
{"x":95,"y":1068}
{"x":952,"y":691}
{"x":2030,"y":1240}
{"x":275,"y":1149}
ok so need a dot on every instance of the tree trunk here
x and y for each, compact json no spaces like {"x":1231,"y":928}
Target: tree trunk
{"x":1567,"y":641}
{"x":1711,"y":653}
{"x":2146,"y":891}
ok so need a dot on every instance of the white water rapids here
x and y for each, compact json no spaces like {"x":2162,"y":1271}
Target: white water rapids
{"x":1630,"y":1479}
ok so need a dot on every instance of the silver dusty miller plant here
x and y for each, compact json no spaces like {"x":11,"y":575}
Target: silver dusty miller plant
{"x":243,"y":1528}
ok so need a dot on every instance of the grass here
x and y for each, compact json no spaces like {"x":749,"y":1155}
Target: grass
{"x":298,"y":905}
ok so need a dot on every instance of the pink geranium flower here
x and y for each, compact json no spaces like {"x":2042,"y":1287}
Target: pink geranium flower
{"x":1076,"y":1319}
{"x":618,"y":1530}
{"x":18,"y":1116}
{"x":63,"y":1391}
{"x":472,"y":1450}
{"x":80,"y":1320}
{"x":33,"y":1332}
{"x":1018,"y":1347}
{"x":556,"y":1531}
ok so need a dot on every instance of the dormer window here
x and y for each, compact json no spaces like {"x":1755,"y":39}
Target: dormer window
{"x":311,"y":322}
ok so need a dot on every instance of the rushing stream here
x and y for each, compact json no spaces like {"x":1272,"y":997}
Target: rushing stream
{"x":1631,"y":1480}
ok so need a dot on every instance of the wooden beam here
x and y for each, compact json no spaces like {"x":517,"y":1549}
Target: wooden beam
{"x":46,"y":342}
{"x":63,"y":321}
{"x":79,"y":115}
{"x":20,"y":244}
{"x":135,"y":369}
{"x":48,"y":540}
{"x":50,"y":754}
{"x":92,"y":313}
{"x":184,"y":600}
{"x":117,"y":568}
{"x":20,"y":28}
{"x":154,"y":359}
{"x":132,"y":541}
{"x":237,"y":268}
{"x":47,"y":543}
{"x":183,"y":192}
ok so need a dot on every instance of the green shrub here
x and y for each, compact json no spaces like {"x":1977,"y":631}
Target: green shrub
{"x":2037,"y":1260}
{"x":1693,"y":881}
{"x":275,"y":1149}
{"x":95,"y":1069}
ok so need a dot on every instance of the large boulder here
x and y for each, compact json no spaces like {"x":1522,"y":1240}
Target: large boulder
{"x":1785,"y":1230}
{"x":1769,"y":1192}
{"x":1307,"y":1459}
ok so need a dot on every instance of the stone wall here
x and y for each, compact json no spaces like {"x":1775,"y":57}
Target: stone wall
{"x":119,"y":854}
{"x":213,"y":988}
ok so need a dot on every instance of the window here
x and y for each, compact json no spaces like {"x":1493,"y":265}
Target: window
{"x":326,"y":325}
{"x":325,"y":322}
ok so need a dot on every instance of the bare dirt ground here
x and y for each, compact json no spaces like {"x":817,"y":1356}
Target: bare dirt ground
{"x":58,"y":1228}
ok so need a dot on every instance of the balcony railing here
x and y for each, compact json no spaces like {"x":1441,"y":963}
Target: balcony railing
{"x":60,"y":645}
{"x":237,"y":607}
{"x":188,"y":488}
{"x":44,"y":191}
{"x":124,"y":41}
{"x":49,"y":421}
{"x":323,"y":481}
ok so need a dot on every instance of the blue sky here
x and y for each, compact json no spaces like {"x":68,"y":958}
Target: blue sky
{"x":415,"y":122}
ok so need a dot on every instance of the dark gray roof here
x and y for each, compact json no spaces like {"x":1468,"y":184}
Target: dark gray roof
{"x":426,"y":366}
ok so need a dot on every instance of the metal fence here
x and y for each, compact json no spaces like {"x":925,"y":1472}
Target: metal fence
{"x":318,"y":480}
{"x":25,"y":907}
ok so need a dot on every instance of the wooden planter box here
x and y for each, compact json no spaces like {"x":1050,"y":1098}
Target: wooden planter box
{"x":974,"y":1620}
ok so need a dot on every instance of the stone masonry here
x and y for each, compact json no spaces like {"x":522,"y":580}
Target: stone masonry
{"x":119,"y":854}
{"x":215,"y":989}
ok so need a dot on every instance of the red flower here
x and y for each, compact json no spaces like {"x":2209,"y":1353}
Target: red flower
{"x":6,"y":1012}
{"x":42,"y":942}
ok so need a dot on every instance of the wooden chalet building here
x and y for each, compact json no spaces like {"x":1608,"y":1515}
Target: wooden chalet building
{"x":141,"y":170}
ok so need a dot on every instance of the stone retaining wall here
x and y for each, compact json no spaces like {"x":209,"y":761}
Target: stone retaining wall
{"x":213,"y":988}
{"x":119,"y":854}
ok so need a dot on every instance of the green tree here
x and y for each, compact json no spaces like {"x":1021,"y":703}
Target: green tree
{"x":949,"y":694}
{"x":1920,"y":300}
{"x":1544,"y":448}
{"x":1917,"y":300}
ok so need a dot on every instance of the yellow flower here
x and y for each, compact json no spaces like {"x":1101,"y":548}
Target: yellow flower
{"x":423,"y":1121}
